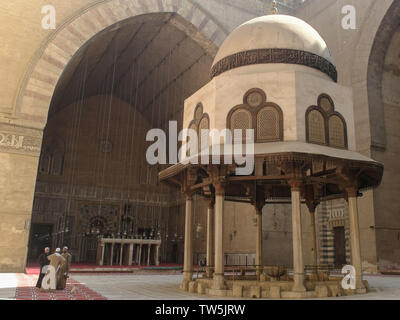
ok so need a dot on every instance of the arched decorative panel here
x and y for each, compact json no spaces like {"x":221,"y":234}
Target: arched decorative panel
{"x":326,"y":103}
{"x":268,"y":124}
{"x":193,"y":126}
{"x":337,"y":132}
{"x":241,"y":119}
{"x":265,"y":118}
{"x":324,"y":125}
{"x":201,"y":121}
{"x":198,"y":113}
{"x":203,"y":125}
{"x":316,"y":127}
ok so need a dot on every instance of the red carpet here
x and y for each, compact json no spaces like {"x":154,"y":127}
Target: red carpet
{"x":33,"y":268}
{"x":27,"y":291}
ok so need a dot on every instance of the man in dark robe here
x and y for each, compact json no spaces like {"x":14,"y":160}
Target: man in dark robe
{"x":43,"y":261}
{"x":62,"y":283}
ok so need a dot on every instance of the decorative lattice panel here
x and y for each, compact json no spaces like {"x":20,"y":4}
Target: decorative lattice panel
{"x":203,"y":125}
{"x":254,"y":99}
{"x":326,"y":105}
{"x":316,"y":127}
{"x":199,"y":112}
{"x":193,"y":127}
{"x":268,"y":124}
{"x":337,"y":132}
{"x":241,"y":119}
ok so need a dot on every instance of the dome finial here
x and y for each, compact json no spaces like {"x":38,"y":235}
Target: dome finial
{"x":274,"y":7}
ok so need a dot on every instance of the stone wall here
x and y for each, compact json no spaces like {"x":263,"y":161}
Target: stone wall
{"x":33,"y":59}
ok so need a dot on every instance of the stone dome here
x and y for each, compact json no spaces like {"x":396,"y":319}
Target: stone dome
{"x":281,"y":33}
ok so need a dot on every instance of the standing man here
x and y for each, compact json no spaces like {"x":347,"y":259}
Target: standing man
{"x":43,"y":262}
{"x":54,"y":271}
{"x":64,"y":276}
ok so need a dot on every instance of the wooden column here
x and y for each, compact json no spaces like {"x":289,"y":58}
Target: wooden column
{"x":298,"y":264}
{"x":188,"y":249}
{"x":219,"y":279}
{"x":210,"y":235}
{"x":355,"y":236}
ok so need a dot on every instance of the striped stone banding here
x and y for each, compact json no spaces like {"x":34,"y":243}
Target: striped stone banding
{"x":264,"y":56}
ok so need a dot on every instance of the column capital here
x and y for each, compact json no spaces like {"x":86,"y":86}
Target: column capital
{"x":351,"y":191}
{"x":296,"y":185}
{"x":189,"y":196}
{"x":312,"y":205}
{"x":219,"y":188}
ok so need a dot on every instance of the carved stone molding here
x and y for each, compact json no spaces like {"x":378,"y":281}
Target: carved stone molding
{"x":20,"y":140}
{"x":64,"y":191}
{"x":263,"y":56}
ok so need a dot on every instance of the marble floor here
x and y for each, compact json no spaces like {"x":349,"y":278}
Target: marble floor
{"x":166,"y":287}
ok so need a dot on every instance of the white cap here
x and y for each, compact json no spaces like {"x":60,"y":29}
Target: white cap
{"x":58,"y":250}
{"x":65,"y":248}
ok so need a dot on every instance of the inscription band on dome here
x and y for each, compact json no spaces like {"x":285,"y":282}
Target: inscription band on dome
{"x":262,"y":56}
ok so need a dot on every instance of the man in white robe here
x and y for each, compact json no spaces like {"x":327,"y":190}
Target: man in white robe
{"x":54,"y":271}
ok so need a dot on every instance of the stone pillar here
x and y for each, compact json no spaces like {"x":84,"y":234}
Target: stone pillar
{"x":314,"y":240}
{"x":259,"y":244}
{"x":121,"y":254}
{"x":148,"y":253}
{"x":210,"y":242}
{"x":140,"y":255}
{"x":112,"y":254}
{"x":102,"y":246}
{"x":188,"y":249}
{"x":219,"y":279}
{"x":298,"y":264}
{"x":355,"y":237}
{"x":156,"y":255}
{"x":130,"y":257}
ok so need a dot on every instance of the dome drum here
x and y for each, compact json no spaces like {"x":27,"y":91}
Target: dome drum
{"x":263,"y":56}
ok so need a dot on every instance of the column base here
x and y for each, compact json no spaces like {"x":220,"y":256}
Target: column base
{"x":361,"y":291}
{"x":185,"y":285}
{"x":298,"y":285}
{"x":258,"y":273}
{"x":209,"y":273}
{"x":293,"y":295}
{"x":360,"y":284}
{"x":217,"y":292}
{"x":187,"y":278}
{"x":219,"y":282}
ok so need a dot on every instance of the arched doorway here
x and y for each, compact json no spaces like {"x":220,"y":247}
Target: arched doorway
{"x":129,"y":78}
